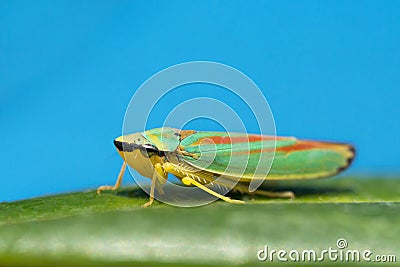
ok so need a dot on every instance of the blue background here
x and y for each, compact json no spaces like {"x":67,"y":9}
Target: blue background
{"x":329,"y":69}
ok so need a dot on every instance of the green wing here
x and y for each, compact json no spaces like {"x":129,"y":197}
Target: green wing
{"x":249,"y":157}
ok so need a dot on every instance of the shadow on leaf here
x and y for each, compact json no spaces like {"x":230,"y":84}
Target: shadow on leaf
{"x":298,"y":190}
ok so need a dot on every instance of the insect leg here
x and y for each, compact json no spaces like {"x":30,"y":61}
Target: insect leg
{"x":187,"y":177}
{"x":284,"y":194}
{"x":157,"y":176}
{"x":190,"y":181}
{"x":117,"y":184}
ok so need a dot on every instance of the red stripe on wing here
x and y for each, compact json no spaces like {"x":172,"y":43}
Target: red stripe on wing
{"x":307,"y":145}
{"x":241,"y":139}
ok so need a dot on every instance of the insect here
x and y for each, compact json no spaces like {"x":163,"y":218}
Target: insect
{"x":198,"y":158}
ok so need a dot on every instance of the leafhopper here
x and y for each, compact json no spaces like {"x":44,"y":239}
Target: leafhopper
{"x":199,"y":158}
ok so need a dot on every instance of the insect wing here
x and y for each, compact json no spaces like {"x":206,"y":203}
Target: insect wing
{"x":310,"y":159}
{"x":249,"y":157}
{"x":230,"y":154}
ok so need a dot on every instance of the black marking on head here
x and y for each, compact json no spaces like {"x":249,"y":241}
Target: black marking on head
{"x":118,"y":145}
{"x":125,"y":146}
{"x":152,"y":151}
{"x":129,"y":147}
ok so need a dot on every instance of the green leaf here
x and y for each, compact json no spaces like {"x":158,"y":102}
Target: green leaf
{"x":112,"y":228}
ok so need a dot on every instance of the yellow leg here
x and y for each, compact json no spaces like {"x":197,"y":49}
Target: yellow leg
{"x":157,"y":176}
{"x":117,"y":184}
{"x":285,"y":194}
{"x":189,"y":181}
{"x":153,"y":185}
{"x":181,"y":172}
